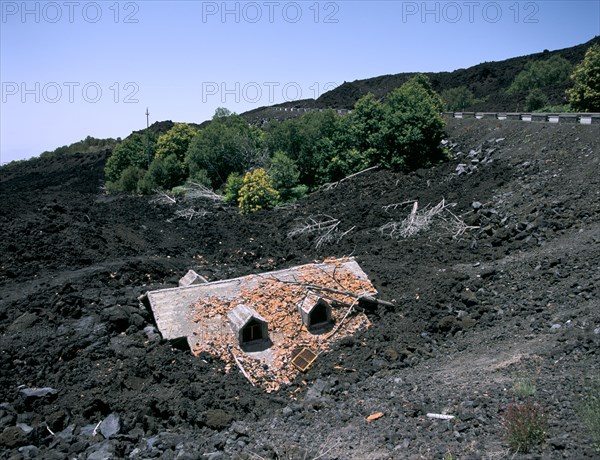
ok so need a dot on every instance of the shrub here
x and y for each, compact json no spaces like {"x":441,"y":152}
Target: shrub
{"x":128,"y":182}
{"x":524,"y":385}
{"x":536,"y":99}
{"x":257,"y":192}
{"x":234,"y":183}
{"x":165,"y":172}
{"x":131,"y":152}
{"x":201,"y":177}
{"x":590,"y":412}
{"x":457,"y":99}
{"x":525,"y":426}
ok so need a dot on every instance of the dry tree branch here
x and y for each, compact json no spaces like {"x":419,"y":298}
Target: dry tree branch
{"x":188,"y":214}
{"x":331,"y":185}
{"x":396,"y":205}
{"x":360,"y":296}
{"x":326,"y":226}
{"x":418,"y":221}
{"x":196,"y":191}
{"x":339,"y":325}
{"x":162,"y":198}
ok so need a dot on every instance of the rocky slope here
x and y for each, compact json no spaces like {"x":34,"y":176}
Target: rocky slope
{"x":512,"y":298}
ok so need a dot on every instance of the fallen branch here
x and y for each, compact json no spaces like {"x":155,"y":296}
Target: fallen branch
{"x":359,"y":297}
{"x":326,"y":226}
{"x":188,"y":214}
{"x":331,"y":185}
{"x":162,"y":197}
{"x":420,"y":220}
{"x":199,"y":191}
{"x":337,"y":327}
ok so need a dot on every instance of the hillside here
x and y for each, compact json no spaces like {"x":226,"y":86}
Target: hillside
{"x":488,"y":81}
{"x":479,"y":310}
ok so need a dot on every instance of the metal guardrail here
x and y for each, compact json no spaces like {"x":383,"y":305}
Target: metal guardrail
{"x":581,"y":118}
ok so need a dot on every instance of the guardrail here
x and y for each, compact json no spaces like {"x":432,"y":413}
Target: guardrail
{"x":581,"y":118}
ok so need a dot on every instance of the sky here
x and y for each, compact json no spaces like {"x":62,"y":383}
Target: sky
{"x":70,"y":69}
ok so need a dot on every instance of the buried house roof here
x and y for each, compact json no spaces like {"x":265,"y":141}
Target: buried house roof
{"x":202,"y":315}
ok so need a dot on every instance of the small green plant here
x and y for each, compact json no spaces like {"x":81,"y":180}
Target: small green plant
{"x":524,"y":385}
{"x":590,"y":412}
{"x":525,"y":426}
{"x":449,"y":456}
{"x":234,"y":183}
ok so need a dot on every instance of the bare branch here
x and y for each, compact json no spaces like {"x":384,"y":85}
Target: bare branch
{"x":326,"y":226}
{"x":422,"y":220}
{"x":188,"y":214}
{"x":335,"y":184}
{"x":162,"y":198}
{"x":195,"y":191}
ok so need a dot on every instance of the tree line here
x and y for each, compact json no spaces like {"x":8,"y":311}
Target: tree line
{"x":258,"y":168}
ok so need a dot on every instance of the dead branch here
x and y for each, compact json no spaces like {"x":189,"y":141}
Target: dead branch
{"x":188,"y":214}
{"x":421,"y":220}
{"x":196,"y":191}
{"x":162,"y":198}
{"x":396,"y":205}
{"x":337,"y":327}
{"x":361,"y":296}
{"x":331,"y":185}
{"x":326,"y":226}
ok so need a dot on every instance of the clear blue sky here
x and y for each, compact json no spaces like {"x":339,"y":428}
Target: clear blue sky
{"x":75,"y":68}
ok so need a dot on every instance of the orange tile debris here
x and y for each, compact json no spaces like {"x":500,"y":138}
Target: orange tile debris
{"x":374,"y":416}
{"x":277,"y":301}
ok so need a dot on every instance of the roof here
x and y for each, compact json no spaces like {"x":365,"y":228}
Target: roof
{"x":241,"y":315}
{"x":201,"y":314}
{"x":173,"y":307}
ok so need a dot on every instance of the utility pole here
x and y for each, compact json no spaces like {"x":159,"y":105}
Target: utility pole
{"x":148,"y":135}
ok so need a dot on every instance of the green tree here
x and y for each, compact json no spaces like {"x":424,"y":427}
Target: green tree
{"x":130,"y":152}
{"x":175,"y":141}
{"x":284,"y":175}
{"x":128,"y":181}
{"x":540,"y":74}
{"x":257,"y":192}
{"x":413,"y":128}
{"x":165,"y":173}
{"x":309,"y":140}
{"x":585,"y":93}
{"x":234,"y":183}
{"x":536,"y":99}
{"x":222,"y":112}
{"x":457,"y":99}
{"x":228,"y":144}
{"x":365,"y":126}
